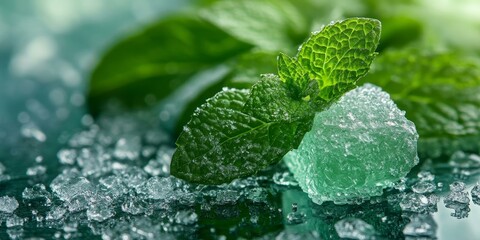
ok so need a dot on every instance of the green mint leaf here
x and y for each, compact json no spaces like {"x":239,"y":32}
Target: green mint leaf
{"x":268,"y":24}
{"x":237,"y":133}
{"x":439,"y":93}
{"x":336,"y":57}
{"x":158,"y":60}
{"x":227,"y":138}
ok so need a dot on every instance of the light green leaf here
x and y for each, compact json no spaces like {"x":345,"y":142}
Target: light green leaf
{"x":335,"y":58}
{"x":439,"y":93}
{"x":268,"y":24}
{"x":227,"y":139}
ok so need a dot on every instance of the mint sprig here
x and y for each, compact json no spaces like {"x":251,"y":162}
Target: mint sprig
{"x":239,"y":132}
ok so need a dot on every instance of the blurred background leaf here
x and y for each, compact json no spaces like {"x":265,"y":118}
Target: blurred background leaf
{"x":244,"y":37}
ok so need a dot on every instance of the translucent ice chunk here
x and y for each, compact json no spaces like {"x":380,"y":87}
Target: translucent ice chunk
{"x":70,"y":184}
{"x":359,"y":146}
{"x":67,"y":156}
{"x":100,"y":212}
{"x":458,"y":200}
{"x":14,"y":221}
{"x":8,"y":204}
{"x":424,"y":187}
{"x":55,"y":213}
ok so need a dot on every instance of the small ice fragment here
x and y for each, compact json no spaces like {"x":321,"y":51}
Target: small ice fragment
{"x":14,"y":221}
{"x":257,"y":195}
{"x":132,"y":177}
{"x":157,"y":188}
{"x":186,"y":217}
{"x":425,"y":176}
{"x":458,"y":200}
{"x":78,"y":203}
{"x":100,"y":212}
{"x":148,"y":151}
{"x":112,"y":186}
{"x":423,"y":187}
{"x":354,"y":228}
{"x":8,"y":204}
{"x":67,"y":156}
{"x":70,"y":184}
{"x":457,"y":186}
{"x":127,"y":148}
{"x":36,"y":192}
{"x":160,"y":166}
{"x":36,"y":170}
{"x":419,"y":203}
{"x":284,"y":179}
{"x":55,"y":213}
{"x":421,"y":226}
{"x":31,"y":131}
{"x":476,"y":194}
{"x":223,"y":197}
{"x":295,"y":217}
{"x":134,"y":206}
{"x":362,"y":144}
{"x":39,"y":159}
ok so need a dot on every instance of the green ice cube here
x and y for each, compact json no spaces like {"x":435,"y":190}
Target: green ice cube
{"x":355,"y":149}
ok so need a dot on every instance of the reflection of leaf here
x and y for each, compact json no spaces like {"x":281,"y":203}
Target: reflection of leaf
{"x":159,"y":59}
{"x":439,"y":93}
{"x":269,"y":24}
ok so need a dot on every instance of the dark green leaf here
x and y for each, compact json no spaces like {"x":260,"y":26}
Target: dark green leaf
{"x":228,"y":139}
{"x":440,"y":94}
{"x":159,"y":59}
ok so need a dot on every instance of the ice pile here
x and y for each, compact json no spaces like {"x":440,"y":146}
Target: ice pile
{"x":115,"y":180}
{"x":361,"y":145}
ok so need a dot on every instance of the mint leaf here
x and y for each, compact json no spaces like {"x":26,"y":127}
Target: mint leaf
{"x":159,"y":59}
{"x":439,"y":93}
{"x":225,"y":139}
{"x":336,"y":57}
{"x":268,"y":24}
{"x":237,"y":133}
